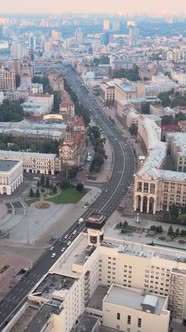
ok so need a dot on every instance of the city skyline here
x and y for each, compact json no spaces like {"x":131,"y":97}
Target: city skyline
{"x":135,"y":7}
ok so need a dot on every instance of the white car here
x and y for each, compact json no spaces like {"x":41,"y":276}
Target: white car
{"x":68,"y":243}
{"x":63,"y":249}
{"x":66,"y":236}
{"x":53,"y":255}
{"x":74,"y":232}
{"x":51,"y":248}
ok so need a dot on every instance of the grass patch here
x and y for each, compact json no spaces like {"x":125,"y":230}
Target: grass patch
{"x":68,"y":196}
{"x":31,"y":201}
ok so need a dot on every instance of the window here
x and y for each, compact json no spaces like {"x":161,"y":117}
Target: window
{"x":129,"y":319}
{"x":139,"y":322}
{"x":118,"y":315}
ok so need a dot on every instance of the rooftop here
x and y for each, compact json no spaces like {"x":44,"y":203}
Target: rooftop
{"x":53,"y":286}
{"x":42,"y":317}
{"x":7,"y":154}
{"x":135,"y":299}
{"x":86,"y":324}
{"x":96,"y":300}
{"x":7,"y":165}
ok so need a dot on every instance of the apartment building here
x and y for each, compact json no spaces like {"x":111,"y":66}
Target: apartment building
{"x":11,"y":176}
{"x":7,"y":79}
{"x":123,"y":285}
{"x":124,"y":90}
{"x":40,"y":163}
{"x":155,"y":188}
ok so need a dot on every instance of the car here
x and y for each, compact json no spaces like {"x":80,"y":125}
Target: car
{"x":74,"y":232}
{"x":63,"y":249}
{"x":65,"y":237}
{"x":51,"y":248}
{"x":106,"y":190}
{"x":53,"y":255}
{"x":36,"y":178}
{"x":68,"y":243}
{"x":86,"y":205}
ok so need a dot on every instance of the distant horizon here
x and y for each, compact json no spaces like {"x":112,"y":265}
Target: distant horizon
{"x":105,"y":7}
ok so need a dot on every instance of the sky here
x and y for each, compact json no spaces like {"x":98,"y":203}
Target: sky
{"x":123,"y":7}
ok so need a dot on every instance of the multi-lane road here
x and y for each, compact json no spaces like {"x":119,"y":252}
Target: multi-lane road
{"x":107,"y":202}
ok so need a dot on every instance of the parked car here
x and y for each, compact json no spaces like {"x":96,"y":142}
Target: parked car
{"x":53,"y":255}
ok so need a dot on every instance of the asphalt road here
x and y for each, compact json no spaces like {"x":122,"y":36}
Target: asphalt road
{"x":107,"y":202}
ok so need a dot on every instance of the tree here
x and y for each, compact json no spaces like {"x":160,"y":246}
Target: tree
{"x":170,"y":231}
{"x":159,"y":229}
{"x":65,"y":184}
{"x":133,"y":129}
{"x":47,"y":182}
{"x":31,"y":194}
{"x":164,"y":96}
{"x":153,"y":228}
{"x":79,"y":187}
{"x":145,"y":108}
{"x":18,"y":80}
{"x":125,"y":223}
{"x":11,"y":111}
{"x":38,"y":183}
{"x":177,"y":232}
{"x":42,"y":182}
{"x":37,"y":192}
{"x":54,"y":189}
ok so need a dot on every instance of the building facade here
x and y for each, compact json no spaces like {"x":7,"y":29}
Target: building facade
{"x":7,"y":79}
{"x":11,"y":175}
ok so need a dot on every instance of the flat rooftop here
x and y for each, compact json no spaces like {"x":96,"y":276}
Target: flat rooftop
{"x":73,"y":255}
{"x":7,"y":165}
{"x":41,"y":318}
{"x":133,"y":298}
{"x":96,"y":300}
{"x":146,"y":251}
{"x":86,"y":324}
{"x":53,"y":284}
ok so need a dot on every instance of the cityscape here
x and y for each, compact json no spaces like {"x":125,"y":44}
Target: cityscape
{"x":92,"y":166}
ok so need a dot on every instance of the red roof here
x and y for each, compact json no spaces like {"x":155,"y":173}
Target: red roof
{"x":170,"y":127}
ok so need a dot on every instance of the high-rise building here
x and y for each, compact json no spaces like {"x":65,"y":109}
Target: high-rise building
{"x":32,"y":42}
{"x":116,"y":25}
{"x":133,"y":33}
{"x":7,"y":79}
{"x":56,"y":35}
{"x":106,"y":25}
{"x":78,"y":37}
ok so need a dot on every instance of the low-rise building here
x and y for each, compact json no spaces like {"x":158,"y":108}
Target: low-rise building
{"x":72,"y":150}
{"x":32,"y":162}
{"x":11,"y":175}
{"x":177,"y":148}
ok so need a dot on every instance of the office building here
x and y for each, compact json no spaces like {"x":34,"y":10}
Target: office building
{"x":106,"y":25}
{"x":133,"y":33}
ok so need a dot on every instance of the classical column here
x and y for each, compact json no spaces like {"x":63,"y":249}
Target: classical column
{"x":141,"y":205}
{"x":148,"y":203}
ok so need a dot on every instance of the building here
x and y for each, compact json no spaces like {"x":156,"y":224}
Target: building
{"x":155,"y":188}
{"x":107,"y":92}
{"x":26,"y":71}
{"x":7,"y":79}
{"x":72,"y":150}
{"x":67,"y":107}
{"x":133,"y":33}
{"x":124,"y":90}
{"x":177,"y":149}
{"x":33,"y":162}
{"x":78,"y":37}
{"x":120,"y":285}
{"x":11,"y":175}
{"x":56,"y":79}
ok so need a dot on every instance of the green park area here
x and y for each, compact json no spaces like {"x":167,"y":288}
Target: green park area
{"x":31,"y":201}
{"x":68,"y":196}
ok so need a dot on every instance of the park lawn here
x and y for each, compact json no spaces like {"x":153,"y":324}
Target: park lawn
{"x":68,"y":196}
{"x":31,"y":201}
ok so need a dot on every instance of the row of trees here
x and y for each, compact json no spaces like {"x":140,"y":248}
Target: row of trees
{"x":11,"y":111}
{"x":131,"y":75}
{"x":172,"y":99}
{"x":100,"y":154}
{"x":24,"y":143}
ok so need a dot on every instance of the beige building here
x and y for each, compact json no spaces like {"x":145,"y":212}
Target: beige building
{"x":177,"y":148}
{"x":40,"y":163}
{"x":124,"y":90}
{"x":107,"y":92}
{"x":7,"y":79}
{"x":155,"y":188}
{"x":11,"y":175}
{"x":124,"y":285}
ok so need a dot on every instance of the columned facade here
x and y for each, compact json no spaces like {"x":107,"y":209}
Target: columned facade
{"x":11,"y":176}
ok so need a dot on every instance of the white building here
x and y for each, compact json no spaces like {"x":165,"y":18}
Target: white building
{"x":11,"y":175}
{"x":40,"y":163}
